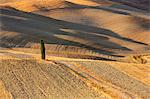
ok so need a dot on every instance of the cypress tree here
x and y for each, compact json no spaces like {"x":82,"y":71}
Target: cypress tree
{"x":42,"y":50}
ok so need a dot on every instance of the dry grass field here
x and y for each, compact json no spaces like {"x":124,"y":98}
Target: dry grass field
{"x":95,"y":49}
{"x":24,"y":75}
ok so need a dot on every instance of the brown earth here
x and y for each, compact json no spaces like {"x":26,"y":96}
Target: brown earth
{"x":95,"y":49}
{"x":23,"y":75}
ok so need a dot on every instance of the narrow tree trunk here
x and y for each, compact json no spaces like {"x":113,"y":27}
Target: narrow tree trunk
{"x":42,"y":50}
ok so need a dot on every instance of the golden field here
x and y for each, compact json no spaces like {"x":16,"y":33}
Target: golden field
{"x":95,"y":49}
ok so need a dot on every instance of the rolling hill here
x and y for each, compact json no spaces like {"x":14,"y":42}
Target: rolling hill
{"x":101,"y":30}
{"x":94,"y":49}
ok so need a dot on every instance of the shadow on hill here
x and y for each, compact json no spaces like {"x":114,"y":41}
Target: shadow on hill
{"x":144,"y":23}
{"x":71,"y":5}
{"x":78,"y":6}
{"x":32,"y":27}
{"x":140,"y":4}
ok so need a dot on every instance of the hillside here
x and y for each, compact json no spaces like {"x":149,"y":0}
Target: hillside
{"x":23,"y":75}
{"x":83,"y":28}
{"x":95,"y":49}
{"x":33,"y":5}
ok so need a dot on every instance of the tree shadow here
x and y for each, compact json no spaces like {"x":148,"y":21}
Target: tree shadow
{"x":32,"y":27}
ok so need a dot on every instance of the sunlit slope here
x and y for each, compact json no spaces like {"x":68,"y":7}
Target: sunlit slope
{"x":40,"y":80}
{"x":132,"y":83}
{"x":91,"y":2}
{"x":58,"y":77}
{"x":33,"y":5}
{"x":80,"y":35}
